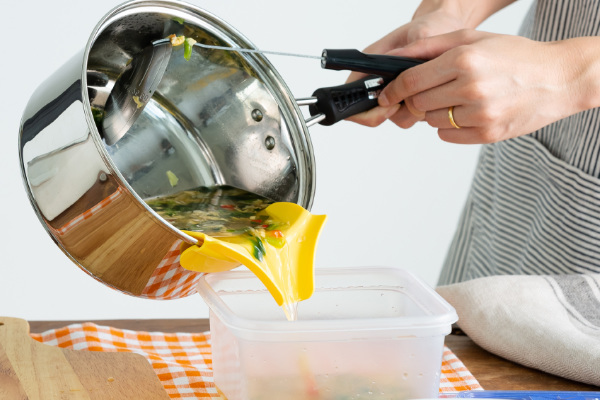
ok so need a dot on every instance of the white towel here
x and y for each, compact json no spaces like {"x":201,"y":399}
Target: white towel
{"x":551,"y":323}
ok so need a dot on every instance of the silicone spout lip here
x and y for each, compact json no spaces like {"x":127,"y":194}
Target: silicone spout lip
{"x":211,"y":254}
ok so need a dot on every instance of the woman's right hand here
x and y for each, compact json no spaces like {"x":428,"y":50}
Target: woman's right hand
{"x":432,"y":17}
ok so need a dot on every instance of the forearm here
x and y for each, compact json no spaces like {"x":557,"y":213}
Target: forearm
{"x":472,"y":12}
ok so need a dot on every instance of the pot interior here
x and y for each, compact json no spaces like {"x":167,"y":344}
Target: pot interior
{"x":218,"y":125}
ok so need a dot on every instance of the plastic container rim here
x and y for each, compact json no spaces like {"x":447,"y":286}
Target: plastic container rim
{"x":419,"y":326}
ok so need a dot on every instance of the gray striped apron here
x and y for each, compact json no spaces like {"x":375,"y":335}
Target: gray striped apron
{"x":534,"y":204}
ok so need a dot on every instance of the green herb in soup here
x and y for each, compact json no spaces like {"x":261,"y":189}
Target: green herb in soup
{"x":218,"y":211}
{"x":189,"y":44}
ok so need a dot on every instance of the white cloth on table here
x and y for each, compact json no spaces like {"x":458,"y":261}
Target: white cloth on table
{"x":551,"y":323}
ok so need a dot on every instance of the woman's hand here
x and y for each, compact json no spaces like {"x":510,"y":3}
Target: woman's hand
{"x":500,"y":86}
{"x":429,"y":20}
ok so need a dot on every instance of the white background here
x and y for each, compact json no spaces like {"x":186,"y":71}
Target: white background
{"x":393,"y":197}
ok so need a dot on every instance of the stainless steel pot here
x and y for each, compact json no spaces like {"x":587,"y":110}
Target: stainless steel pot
{"x":231,"y":121}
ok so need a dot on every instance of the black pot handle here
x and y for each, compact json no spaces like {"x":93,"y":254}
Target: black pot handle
{"x":386,"y":66}
{"x":340,"y":102}
{"x":332,"y":104}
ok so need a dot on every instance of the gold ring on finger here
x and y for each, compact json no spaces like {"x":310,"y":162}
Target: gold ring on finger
{"x":451,"y":117}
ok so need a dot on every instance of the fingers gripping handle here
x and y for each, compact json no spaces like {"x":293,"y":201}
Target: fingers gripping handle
{"x":340,"y":102}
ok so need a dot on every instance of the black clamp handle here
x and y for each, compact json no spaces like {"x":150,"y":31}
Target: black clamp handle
{"x":353,"y":60}
{"x":340,"y":102}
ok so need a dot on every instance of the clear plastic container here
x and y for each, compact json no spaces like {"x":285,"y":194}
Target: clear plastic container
{"x":371,"y":332}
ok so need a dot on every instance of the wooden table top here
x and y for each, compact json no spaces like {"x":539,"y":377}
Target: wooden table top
{"x":492,"y":372}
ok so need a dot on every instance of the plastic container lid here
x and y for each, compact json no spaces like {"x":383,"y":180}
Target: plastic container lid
{"x":345,"y":299}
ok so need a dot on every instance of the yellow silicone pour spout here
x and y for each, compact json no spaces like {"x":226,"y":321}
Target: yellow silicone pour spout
{"x":287,"y":271}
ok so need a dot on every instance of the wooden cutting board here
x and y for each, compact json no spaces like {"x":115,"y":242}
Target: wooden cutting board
{"x":30,"y":370}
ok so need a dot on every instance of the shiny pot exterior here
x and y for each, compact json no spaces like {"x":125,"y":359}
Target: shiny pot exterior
{"x":212,"y":122}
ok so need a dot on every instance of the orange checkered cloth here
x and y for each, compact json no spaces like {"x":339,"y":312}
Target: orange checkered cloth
{"x":183,"y":361}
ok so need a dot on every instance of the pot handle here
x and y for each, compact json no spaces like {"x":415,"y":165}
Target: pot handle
{"x":383,"y":65}
{"x":332,"y":104}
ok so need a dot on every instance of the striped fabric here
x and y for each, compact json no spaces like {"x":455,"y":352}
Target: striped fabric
{"x":534,"y":204}
{"x":580,"y":297}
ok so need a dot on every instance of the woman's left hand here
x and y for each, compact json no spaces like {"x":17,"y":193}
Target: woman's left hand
{"x":499,"y":86}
